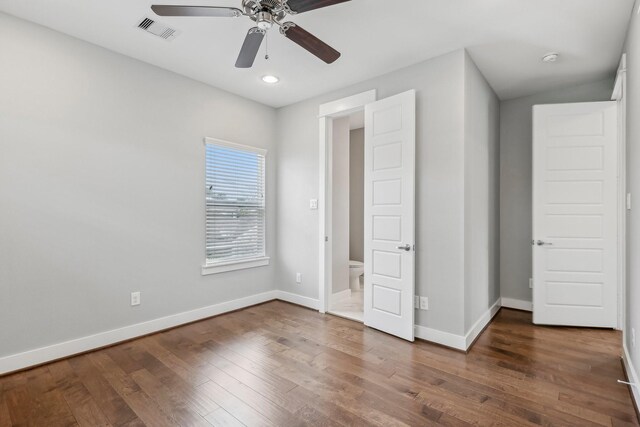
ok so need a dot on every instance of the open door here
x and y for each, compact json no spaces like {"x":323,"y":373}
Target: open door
{"x":389,"y":205}
{"x":575,"y":214}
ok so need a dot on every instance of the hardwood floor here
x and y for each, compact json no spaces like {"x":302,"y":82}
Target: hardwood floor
{"x":283,"y":365}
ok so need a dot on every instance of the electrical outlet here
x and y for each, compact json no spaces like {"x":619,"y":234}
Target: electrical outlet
{"x":298,"y":278}
{"x":135,"y":298}
{"x":633,"y":338}
{"x":530,"y":283}
{"x":416,"y":301}
{"x":424,"y":303}
{"x":313,"y":204}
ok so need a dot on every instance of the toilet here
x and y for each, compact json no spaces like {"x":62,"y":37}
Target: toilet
{"x":356,"y":269}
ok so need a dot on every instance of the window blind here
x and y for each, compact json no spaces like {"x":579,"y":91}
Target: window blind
{"x":235,"y":203}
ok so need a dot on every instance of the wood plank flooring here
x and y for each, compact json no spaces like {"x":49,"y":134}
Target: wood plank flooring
{"x":281,"y":365}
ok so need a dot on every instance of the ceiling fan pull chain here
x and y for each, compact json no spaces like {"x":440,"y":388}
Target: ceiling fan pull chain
{"x":266,"y":46}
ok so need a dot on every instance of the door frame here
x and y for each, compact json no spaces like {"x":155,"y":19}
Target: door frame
{"x":327,"y":113}
{"x":620,"y":96}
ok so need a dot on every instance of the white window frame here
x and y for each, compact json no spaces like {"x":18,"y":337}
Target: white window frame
{"x":239,"y":264}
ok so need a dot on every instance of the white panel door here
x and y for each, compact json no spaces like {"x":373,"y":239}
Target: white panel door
{"x":389,"y":199}
{"x":575,"y":211}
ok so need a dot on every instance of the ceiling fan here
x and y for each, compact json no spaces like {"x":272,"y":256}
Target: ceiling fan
{"x":266,"y":14}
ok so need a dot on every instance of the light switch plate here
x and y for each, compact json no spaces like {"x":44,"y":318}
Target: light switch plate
{"x":628,"y":201}
{"x":135,"y":298}
{"x":298,"y":278}
{"x":313,"y":204}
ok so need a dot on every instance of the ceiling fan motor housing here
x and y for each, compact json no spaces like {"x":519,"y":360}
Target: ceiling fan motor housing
{"x":270,"y":4}
{"x":264,"y":12}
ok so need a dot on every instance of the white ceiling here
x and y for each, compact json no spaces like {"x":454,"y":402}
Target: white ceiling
{"x":506,"y":38}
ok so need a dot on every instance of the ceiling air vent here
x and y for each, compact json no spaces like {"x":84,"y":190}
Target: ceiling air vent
{"x":158,"y":29}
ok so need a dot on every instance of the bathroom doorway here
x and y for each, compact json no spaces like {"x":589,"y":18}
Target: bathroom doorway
{"x":389,"y":210}
{"x":346,"y":298}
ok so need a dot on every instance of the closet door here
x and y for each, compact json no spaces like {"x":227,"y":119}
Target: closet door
{"x":575,"y":214}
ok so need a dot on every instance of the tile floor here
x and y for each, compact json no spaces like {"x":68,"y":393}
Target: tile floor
{"x":350,"y":308}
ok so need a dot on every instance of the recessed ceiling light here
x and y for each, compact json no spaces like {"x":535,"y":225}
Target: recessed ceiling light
{"x":550,"y":57}
{"x":270,"y":79}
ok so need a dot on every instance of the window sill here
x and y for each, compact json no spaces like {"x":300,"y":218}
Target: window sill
{"x":223,"y":267}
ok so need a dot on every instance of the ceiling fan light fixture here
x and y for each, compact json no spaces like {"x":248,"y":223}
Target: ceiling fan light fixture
{"x":269,"y":79}
{"x":264,"y":20}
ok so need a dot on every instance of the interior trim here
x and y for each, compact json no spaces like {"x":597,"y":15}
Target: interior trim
{"x":516,"y":304}
{"x":459,"y":342}
{"x":311,"y":303}
{"x":447,"y":339}
{"x":39,"y":356}
{"x":241,"y":264}
{"x":632,"y":377}
{"x":482,"y":324}
{"x":326,"y":113}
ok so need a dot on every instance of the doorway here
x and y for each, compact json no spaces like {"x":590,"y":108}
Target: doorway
{"x":347,"y":245}
{"x":389,"y":210}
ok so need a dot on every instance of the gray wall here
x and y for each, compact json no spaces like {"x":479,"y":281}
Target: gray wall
{"x":440,"y":186}
{"x":633,"y":181}
{"x":481,"y":195}
{"x":102,"y":188}
{"x":515,"y":179}
{"x":356,"y":195}
{"x":340,"y":216}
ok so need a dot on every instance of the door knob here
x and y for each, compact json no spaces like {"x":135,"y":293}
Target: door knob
{"x":542,"y":243}
{"x":405,"y":248}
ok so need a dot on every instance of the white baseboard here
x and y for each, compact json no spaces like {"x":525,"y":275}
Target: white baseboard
{"x":339,"y":296}
{"x":298,"y":299}
{"x":632,"y":374}
{"x":459,"y":342}
{"x":482,"y":322}
{"x":439,"y":337}
{"x":42,"y":355}
{"x":46,"y":354}
{"x":517,"y":304}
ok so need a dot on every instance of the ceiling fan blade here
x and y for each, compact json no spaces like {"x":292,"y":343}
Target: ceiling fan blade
{"x":250,"y":48}
{"x":171,"y":10}
{"x":310,"y":42}
{"x":300,"y":6}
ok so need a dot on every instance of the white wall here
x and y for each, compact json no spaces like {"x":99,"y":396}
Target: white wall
{"x":515,"y":178}
{"x":482,"y":201}
{"x":356,"y":195}
{"x":340,"y":205}
{"x":632,"y":49}
{"x":102,"y":188}
{"x":440,"y":186}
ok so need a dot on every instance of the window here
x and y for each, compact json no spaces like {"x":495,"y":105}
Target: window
{"x":235,"y":207}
